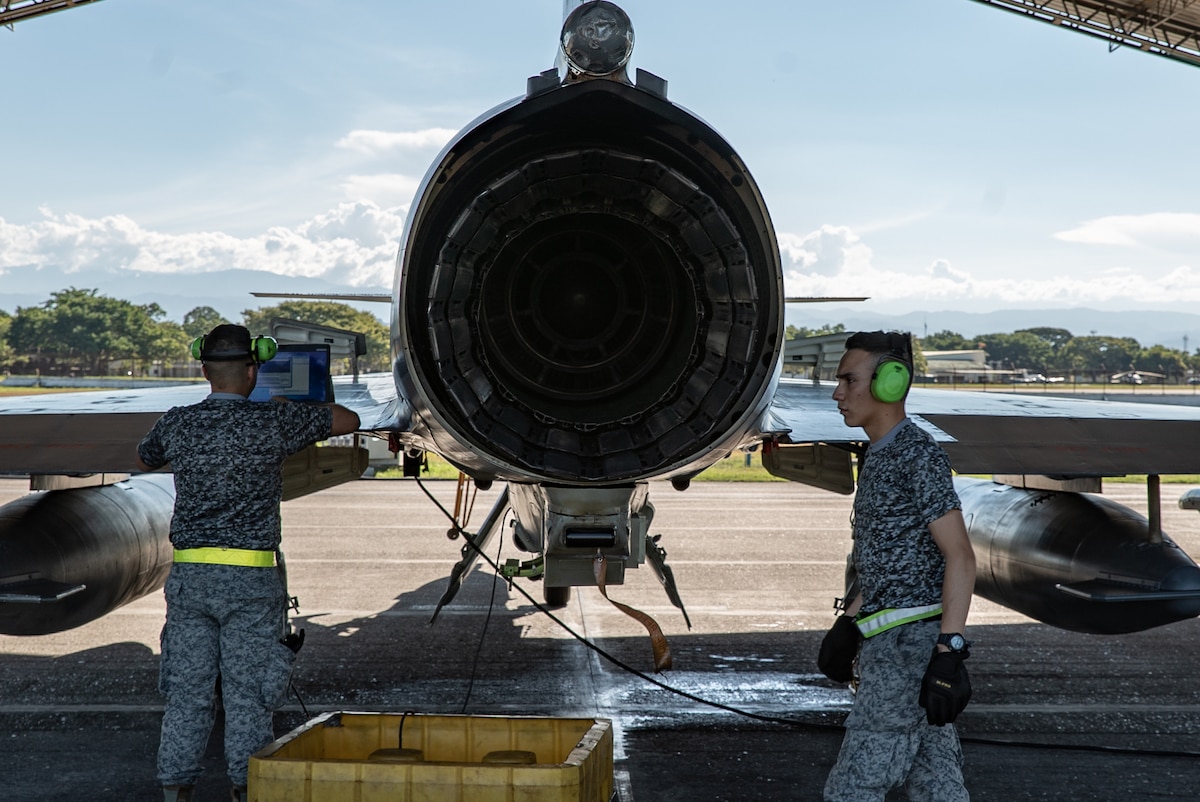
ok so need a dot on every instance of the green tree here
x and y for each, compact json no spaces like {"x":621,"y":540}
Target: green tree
{"x":1102,"y":357}
{"x":5,"y":349}
{"x":920,"y":363}
{"x":1056,"y":338}
{"x":794,"y":333}
{"x":1171,"y":363}
{"x":81,"y":328}
{"x":946,"y":341}
{"x":170,"y":343}
{"x":330,"y":313}
{"x":1020,"y":350}
{"x":202,"y":320}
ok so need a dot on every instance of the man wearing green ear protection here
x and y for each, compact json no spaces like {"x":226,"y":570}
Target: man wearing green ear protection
{"x":916,"y":574}
{"x":226,"y":605}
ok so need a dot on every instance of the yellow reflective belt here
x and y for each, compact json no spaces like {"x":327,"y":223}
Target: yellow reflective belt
{"x":893,"y":617}
{"x":219,"y":556}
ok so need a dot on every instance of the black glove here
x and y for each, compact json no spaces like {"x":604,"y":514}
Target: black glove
{"x":293,"y":640}
{"x":839,"y":647}
{"x":945,"y":689}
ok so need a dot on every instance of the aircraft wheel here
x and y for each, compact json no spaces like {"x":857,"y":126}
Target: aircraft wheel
{"x":556,"y":597}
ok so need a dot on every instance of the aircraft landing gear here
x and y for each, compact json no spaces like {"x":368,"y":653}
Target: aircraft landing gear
{"x":556,"y":597}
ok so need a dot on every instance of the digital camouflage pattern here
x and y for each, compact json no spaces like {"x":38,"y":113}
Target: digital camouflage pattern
{"x":226,"y":453}
{"x":903,"y":486}
{"x":225,"y":621}
{"x":888,"y":742}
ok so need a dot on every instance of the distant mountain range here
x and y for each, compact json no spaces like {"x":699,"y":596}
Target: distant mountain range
{"x":228,"y":292}
{"x":1147,"y":326}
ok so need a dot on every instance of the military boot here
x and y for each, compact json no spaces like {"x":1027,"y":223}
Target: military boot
{"x":177,"y":793}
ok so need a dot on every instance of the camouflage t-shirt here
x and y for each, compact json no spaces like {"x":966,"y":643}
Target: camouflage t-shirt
{"x":904,"y":485}
{"x":227,"y":454}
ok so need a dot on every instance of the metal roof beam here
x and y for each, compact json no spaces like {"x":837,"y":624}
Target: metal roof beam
{"x":12,"y":11}
{"x":1169,"y":28}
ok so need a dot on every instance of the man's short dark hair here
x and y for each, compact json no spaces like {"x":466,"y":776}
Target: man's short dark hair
{"x":883,"y":343}
{"x":226,"y":343}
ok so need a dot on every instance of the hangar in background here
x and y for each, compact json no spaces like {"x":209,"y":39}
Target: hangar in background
{"x":818,"y":357}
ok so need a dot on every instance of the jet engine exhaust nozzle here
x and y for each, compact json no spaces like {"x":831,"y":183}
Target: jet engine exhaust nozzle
{"x":595,"y":295}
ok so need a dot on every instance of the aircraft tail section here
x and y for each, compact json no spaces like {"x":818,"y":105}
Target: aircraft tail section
{"x":590,"y":290}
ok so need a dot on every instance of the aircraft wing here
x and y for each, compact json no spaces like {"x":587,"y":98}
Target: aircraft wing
{"x":1010,"y":433}
{"x":98,"y":432}
{"x":588,"y":296}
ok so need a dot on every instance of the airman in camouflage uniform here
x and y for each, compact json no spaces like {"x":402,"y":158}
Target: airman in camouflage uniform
{"x":225,"y":597}
{"x":916,"y":573}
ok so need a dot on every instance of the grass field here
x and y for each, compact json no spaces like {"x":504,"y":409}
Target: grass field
{"x":734,"y":469}
{"x":11,"y":391}
{"x":730,"y":469}
{"x":7,"y":392}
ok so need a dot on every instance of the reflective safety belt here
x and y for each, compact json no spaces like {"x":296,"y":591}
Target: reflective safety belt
{"x":892,"y":617}
{"x":213,"y":555}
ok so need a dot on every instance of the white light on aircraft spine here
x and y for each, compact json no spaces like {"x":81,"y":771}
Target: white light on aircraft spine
{"x":597,"y":39}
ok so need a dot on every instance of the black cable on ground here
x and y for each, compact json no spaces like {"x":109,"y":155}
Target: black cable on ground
{"x":776,"y":719}
{"x":482,"y":634}
{"x":296,"y":693}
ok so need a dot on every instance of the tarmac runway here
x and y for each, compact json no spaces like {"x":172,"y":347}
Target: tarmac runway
{"x":1055,"y":715}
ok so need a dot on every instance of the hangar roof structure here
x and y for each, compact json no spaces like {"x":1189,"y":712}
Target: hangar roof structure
{"x":16,"y":10}
{"x":1169,"y":28}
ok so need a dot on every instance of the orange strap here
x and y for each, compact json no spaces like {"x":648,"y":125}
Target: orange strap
{"x":658,"y":641}
{"x":464,"y":503}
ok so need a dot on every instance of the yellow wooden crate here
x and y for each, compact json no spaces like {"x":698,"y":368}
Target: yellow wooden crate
{"x":329,"y":759}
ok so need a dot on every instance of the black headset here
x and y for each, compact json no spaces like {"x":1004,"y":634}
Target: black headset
{"x":893,"y":371}
{"x":262,"y":349}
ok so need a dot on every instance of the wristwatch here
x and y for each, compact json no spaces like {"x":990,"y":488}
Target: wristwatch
{"x":954,"y":641}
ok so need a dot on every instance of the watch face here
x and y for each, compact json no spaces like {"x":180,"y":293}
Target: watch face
{"x":957,"y":642}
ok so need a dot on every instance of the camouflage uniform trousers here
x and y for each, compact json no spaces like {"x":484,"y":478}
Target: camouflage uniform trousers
{"x":221,"y":621}
{"x":888,"y":743}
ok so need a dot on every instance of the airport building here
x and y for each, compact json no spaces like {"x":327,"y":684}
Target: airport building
{"x":818,"y":357}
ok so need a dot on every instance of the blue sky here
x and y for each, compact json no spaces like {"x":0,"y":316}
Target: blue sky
{"x":928,"y":153}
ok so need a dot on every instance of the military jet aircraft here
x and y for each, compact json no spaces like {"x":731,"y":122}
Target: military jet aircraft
{"x":1137,"y":377}
{"x":589,"y":297}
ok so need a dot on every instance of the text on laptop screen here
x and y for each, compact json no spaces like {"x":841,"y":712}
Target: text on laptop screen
{"x":298,"y":372}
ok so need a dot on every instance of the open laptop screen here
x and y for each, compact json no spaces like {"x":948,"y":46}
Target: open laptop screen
{"x":299,"y":372}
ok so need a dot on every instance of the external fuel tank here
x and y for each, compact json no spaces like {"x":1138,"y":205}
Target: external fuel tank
{"x":68,"y":557}
{"x":1075,"y":561}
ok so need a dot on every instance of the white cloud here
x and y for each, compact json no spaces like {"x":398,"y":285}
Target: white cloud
{"x":390,"y":189}
{"x":828,"y":251}
{"x":1164,"y":230}
{"x":941,"y":269}
{"x":833,"y":261}
{"x":387,"y":190}
{"x":360,"y":222}
{"x":376,"y":142}
{"x":353,"y":244}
